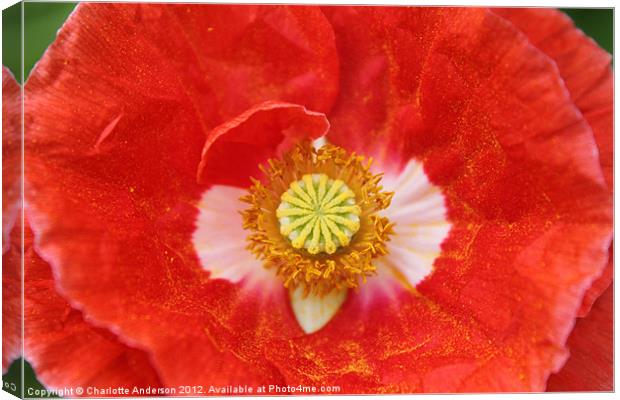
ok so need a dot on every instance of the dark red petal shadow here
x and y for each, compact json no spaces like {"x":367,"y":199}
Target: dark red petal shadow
{"x":235,"y":149}
{"x":65,"y":350}
{"x":11,"y":242}
{"x":118,"y":111}
{"x":464,"y":92}
{"x":590,"y":366}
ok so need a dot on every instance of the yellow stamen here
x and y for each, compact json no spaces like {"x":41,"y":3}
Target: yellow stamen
{"x":314,"y":218}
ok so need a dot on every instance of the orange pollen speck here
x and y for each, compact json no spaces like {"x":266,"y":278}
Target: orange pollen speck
{"x":313,"y":237}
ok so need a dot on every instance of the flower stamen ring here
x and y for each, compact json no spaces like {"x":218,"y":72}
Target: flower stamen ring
{"x":314,"y":218}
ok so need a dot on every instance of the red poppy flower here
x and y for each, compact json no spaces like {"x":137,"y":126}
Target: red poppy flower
{"x":164,"y":255}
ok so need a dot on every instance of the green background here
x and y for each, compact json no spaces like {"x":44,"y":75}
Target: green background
{"x":42,"y":21}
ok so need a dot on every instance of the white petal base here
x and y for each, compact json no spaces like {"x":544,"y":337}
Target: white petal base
{"x":314,"y":312}
{"x":419,"y":213}
{"x":220,"y":241}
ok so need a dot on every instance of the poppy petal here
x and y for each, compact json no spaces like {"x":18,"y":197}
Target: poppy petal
{"x":140,"y":104}
{"x":466,"y":94}
{"x":419,"y":215}
{"x":118,"y":110}
{"x":235,"y":149}
{"x":398,"y":343}
{"x":590,"y":366}
{"x":246,"y":53}
{"x":176,"y":335}
{"x":65,"y":350}
{"x":413,"y":79}
{"x":313,"y":311}
{"x":383,"y":53}
{"x":584,"y":66}
{"x":220,"y":241}
{"x":586,"y":70}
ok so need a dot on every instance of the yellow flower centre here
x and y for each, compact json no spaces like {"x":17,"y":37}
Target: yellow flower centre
{"x":314,"y":219}
{"x":319,"y":214}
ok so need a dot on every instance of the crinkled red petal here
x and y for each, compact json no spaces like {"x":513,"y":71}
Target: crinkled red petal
{"x":591,"y":362}
{"x":397,"y":344}
{"x":584,"y":66}
{"x":382,"y":54}
{"x":462,"y":91}
{"x":68,"y":352}
{"x":235,"y":149}
{"x":586,"y":70}
{"x":119,"y":97}
{"x":118,"y":111}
